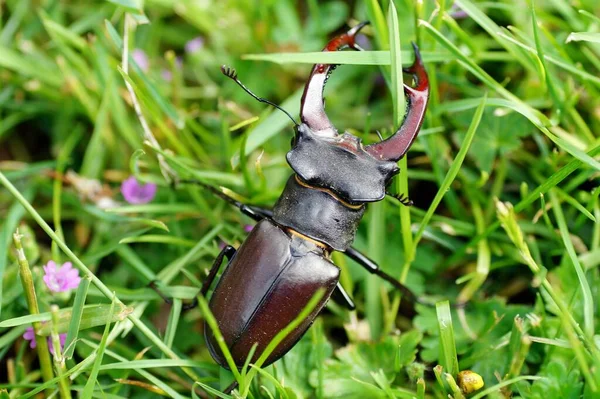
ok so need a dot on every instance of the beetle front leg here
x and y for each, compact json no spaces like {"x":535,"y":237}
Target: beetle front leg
{"x":228,"y":252}
{"x":342,"y":298}
{"x":253,"y":212}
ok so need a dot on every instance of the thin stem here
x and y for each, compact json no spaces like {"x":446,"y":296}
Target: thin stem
{"x":59,"y":360}
{"x":165,"y":169}
{"x":32,"y":304}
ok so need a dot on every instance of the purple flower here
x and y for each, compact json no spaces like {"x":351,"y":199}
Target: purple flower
{"x":136,"y":193}
{"x":248,"y":228}
{"x":166,"y":74}
{"x":30,"y":336}
{"x":141,"y":59}
{"x":457,"y":13}
{"x":194,"y":45}
{"x":59,"y":279}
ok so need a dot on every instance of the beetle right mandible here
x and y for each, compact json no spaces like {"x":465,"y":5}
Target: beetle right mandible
{"x":286,"y":257}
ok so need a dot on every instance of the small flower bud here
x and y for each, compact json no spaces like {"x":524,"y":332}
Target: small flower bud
{"x":469,"y":381}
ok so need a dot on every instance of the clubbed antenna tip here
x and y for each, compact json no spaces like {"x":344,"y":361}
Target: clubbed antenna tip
{"x":232,"y":74}
{"x":229,"y":72}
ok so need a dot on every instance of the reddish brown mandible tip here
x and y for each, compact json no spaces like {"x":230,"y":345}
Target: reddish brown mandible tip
{"x":394,"y":147}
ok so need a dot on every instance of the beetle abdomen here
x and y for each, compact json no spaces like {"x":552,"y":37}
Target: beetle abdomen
{"x":266,"y":285}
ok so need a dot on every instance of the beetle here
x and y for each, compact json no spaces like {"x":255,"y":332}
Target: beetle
{"x":285,"y":259}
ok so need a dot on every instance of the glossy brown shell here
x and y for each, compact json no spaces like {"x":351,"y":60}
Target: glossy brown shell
{"x":269,"y":281}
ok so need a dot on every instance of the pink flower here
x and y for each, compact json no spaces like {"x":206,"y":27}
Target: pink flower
{"x":248,"y":228}
{"x":166,"y":74}
{"x":136,"y":193}
{"x":141,"y":59}
{"x":61,"y":279}
{"x":457,"y":13}
{"x":194,"y":45}
{"x":30,"y":336}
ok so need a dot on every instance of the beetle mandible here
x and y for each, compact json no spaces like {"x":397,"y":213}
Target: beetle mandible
{"x":284,"y":260}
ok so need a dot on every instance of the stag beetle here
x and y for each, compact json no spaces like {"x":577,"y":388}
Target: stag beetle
{"x":285,"y":259}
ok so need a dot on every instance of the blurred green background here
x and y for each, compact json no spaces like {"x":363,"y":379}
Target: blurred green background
{"x":513,"y":117}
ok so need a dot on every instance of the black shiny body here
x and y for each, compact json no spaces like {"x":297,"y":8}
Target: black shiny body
{"x":317,"y":214}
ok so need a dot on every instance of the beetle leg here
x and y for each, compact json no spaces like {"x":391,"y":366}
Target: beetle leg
{"x":394,"y":148}
{"x":373,"y":268}
{"x":231,"y":387}
{"x":312,"y":107}
{"x":228,"y":252}
{"x":165,"y":298}
{"x":341,"y":297}
{"x":251,"y":211}
{"x":168,"y":300}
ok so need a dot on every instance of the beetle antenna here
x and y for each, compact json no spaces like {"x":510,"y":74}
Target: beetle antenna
{"x":232,"y":74}
{"x":402,"y":198}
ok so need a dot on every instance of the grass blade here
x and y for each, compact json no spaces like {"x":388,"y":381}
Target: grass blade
{"x":447,"y":345}
{"x":452,"y":172}
{"x":75,"y":323}
{"x":88,"y":390}
{"x":588,"y":300}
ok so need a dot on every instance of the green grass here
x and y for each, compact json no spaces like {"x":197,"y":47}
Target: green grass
{"x":504,"y":178}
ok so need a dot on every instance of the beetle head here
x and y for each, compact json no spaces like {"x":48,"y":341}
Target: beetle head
{"x":323,"y":158}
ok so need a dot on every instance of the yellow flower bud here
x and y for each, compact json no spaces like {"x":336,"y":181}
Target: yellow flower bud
{"x":469,"y":381}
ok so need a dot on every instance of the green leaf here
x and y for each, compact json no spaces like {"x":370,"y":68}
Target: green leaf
{"x":132,"y":5}
{"x":92,"y":316}
{"x":495,"y":140}
{"x":349,"y":57}
{"x":58,"y":31}
{"x":556,"y":380}
{"x":584,"y":37}
{"x":32,"y":67}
